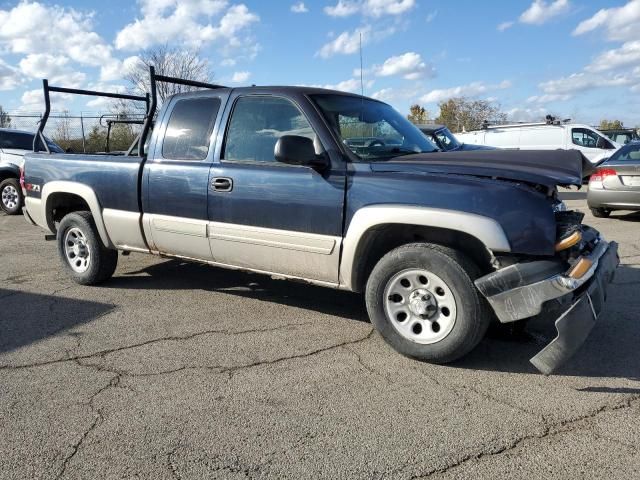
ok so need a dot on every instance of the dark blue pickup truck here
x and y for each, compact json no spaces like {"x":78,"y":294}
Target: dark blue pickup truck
{"x":279,"y":180}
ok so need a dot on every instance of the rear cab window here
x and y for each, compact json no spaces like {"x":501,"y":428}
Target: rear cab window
{"x":188,"y":133}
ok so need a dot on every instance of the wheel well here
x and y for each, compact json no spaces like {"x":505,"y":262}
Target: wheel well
{"x":61,"y":204}
{"x":381,"y":239}
{"x":7,"y":174}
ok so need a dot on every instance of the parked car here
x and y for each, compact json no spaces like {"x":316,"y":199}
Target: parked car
{"x":545,"y":136}
{"x":265,"y":179}
{"x":621,"y":136}
{"x":13,"y":145}
{"x":616,"y":183}
{"x":446,"y":141}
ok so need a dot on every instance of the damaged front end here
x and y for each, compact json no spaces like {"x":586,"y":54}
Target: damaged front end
{"x":574,"y":282}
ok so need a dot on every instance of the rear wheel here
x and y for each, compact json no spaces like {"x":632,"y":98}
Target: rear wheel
{"x":11,"y":198}
{"x":600,"y":212}
{"x":422,"y":300}
{"x":82,"y":253}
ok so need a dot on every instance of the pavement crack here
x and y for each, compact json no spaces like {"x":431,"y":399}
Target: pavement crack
{"x":549,"y":430}
{"x":173,"y":338}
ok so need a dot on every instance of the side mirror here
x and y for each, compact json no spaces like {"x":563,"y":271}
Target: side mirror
{"x":297,"y":150}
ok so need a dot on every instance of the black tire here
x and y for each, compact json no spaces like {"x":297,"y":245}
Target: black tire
{"x":457,"y":271}
{"x":600,"y":212}
{"x":11,"y":199}
{"x":102,"y":261}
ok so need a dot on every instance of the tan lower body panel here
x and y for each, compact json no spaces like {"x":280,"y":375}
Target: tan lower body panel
{"x":296,"y":254}
{"x":185,"y":237}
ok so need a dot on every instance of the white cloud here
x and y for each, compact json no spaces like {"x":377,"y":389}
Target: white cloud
{"x":541,"y":11}
{"x":620,"y":23}
{"x":627,"y":54}
{"x":351,"y":85}
{"x":432,"y":16}
{"x":409,"y":65}
{"x":549,"y":97}
{"x":384,"y":94}
{"x":10,"y":77}
{"x":372,"y":8}
{"x":346,"y":43}
{"x":505,"y":26}
{"x":526,"y":114}
{"x":240,"y":77}
{"x":471,"y":90}
{"x":299,"y":7}
{"x":189,"y":23}
{"x":228,"y":62}
{"x":579,"y":82}
{"x":33,"y":28}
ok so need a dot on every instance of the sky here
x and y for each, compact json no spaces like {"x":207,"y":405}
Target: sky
{"x":576,"y":59}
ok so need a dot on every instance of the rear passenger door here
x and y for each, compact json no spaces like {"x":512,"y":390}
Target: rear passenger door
{"x":268,"y":216}
{"x":177,"y":177}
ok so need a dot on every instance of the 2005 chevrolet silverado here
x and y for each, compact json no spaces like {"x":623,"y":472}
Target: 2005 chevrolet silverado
{"x":342,"y":191}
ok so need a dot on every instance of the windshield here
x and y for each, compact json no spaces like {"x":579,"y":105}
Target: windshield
{"x":630,"y":152}
{"x":24,"y":141}
{"x":446,"y":140}
{"x":372,"y":130}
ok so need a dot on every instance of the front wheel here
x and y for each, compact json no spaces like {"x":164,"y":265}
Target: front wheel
{"x":11,"y":198}
{"x":422,"y":300}
{"x":82,"y":252}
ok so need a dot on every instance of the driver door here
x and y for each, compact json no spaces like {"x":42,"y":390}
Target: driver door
{"x":268,"y":216}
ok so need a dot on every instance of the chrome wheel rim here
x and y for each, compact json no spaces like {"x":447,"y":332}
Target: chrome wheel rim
{"x":420,"y":306}
{"x":10,"y":196}
{"x":77,"y":250}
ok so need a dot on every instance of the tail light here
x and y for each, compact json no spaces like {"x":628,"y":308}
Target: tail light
{"x":24,"y":190}
{"x":602,"y":173}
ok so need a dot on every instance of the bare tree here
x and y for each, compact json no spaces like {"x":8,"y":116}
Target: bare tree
{"x":463,"y":114}
{"x":169,"y":61}
{"x":418,"y":114}
{"x":5,"y":119}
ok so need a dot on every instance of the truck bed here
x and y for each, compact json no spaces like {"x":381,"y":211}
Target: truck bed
{"x":114,"y":178}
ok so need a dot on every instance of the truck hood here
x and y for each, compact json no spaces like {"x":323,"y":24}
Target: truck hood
{"x":543,"y":167}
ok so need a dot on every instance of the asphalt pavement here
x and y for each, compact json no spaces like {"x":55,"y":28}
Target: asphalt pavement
{"x":183,"y":371}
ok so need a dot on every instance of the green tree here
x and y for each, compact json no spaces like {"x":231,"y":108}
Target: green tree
{"x":5,"y":119}
{"x":461,"y":113}
{"x":610,"y":125}
{"x":418,"y":115}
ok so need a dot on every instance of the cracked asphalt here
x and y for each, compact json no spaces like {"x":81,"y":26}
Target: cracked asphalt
{"x":178,"y":371}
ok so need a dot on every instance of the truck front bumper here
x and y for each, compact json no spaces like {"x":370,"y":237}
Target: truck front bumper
{"x":513,"y":296}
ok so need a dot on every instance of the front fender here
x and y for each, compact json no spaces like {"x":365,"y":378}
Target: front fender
{"x":485,"y":229}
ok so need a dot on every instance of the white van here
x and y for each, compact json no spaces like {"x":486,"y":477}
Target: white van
{"x":594,"y":145}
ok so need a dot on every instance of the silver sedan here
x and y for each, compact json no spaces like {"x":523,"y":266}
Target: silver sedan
{"x":616,"y":183}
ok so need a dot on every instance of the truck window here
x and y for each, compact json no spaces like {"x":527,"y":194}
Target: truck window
{"x":189,"y":129}
{"x":256,"y":124}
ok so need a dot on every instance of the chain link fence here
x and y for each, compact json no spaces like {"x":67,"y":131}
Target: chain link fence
{"x":88,"y":133}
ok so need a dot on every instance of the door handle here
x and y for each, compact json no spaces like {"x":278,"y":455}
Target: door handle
{"x":222,"y":184}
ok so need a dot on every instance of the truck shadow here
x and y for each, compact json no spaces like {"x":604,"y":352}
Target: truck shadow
{"x":179,"y":275}
{"x":26,"y":318}
{"x":612,"y":350}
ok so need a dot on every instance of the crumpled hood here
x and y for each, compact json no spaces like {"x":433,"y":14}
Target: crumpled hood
{"x":544,"y":167}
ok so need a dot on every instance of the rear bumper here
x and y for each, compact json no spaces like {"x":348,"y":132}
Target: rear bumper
{"x":614,"y":199}
{"x":582,"y":299}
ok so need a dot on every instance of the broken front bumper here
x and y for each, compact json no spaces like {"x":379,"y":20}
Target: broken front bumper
{"x":525,"y":290}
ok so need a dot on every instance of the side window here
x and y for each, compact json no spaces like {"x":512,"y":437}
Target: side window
{"x":584,"y":138}
{"x":189,"y":129}
{"x":256,"y":124}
